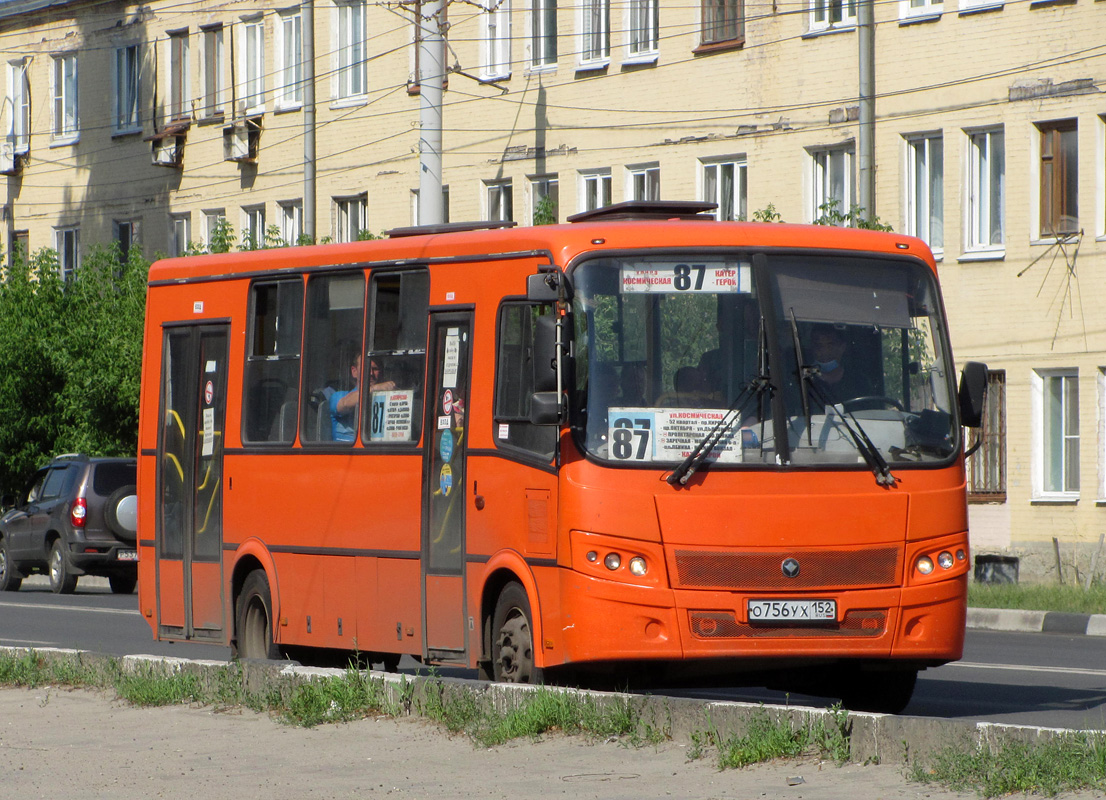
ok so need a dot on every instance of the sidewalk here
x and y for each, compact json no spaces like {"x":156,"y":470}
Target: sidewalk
{"x":1000,"y":619}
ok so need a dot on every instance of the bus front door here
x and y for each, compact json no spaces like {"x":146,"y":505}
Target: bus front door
{"x":190,"y":482}
{"x":445,"y":493}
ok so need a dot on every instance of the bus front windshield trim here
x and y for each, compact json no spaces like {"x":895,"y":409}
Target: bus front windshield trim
{"x":669,"y":344}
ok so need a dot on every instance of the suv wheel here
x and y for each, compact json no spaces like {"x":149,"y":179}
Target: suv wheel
{"x":61,"y":580}
{"x":8,"y":580}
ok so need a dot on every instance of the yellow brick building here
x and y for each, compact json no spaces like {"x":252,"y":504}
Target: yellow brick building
{"x":148,"y":123}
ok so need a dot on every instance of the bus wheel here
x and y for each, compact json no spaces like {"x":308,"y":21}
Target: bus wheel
{"x":254,"y":618}
{"x":513,"y":646}
{"x":880,"y":692}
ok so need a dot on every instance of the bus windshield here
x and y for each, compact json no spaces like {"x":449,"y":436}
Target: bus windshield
{"x":774,"y":359}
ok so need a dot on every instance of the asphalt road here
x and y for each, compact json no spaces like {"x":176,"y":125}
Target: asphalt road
{"x":1041,"y":679}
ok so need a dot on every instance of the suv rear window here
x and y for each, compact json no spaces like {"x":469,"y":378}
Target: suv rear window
{"x":111,"y":476}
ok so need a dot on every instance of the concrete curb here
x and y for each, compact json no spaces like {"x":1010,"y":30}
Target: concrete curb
{"x":873,"y":738}
{"x":1000,"y":619}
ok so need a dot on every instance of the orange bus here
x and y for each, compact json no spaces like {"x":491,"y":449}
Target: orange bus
{"x":640,"y":436}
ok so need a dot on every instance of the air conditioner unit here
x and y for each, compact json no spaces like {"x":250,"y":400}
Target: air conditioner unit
{"x":167,"y":152}
{"x":240,"y":141}
{"x":10,"y":161}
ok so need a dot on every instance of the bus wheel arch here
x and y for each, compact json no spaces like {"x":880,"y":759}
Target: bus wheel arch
{"x":243,"y":580}
{"x":509,"y":605}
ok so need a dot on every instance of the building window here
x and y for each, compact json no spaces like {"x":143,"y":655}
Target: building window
{"x":19,"y":92}
{"x":213,"y":71}
{"x":291,"y":221}
{"x":595,"y":188}
{"x":909,"y":9}
{"x":67,"y":243}
{"x":349,"y":217}
{"x":595,"y":31}
{"x":351,"y":50}
{"x":1056,"y":398}
{"x":290,"y":70}
{"x":215,"y":229}
{"x":253,"y":64}
{"x":415,"y":212}
{"x":180,"y":233}
{"x":828,"y":14}
{"x":644,"y":182}
{"x":501,"y":200}
{"x":833,"y":185}
{"x":925,"y":166}
{"x":180,"y":105}
{"x":125,"y":232}
{"x":644,"y":28}
{"x":724,"y":184}
{"x":987,"y":467}
{"x":253,"y":227}
{"x":126,"y":89}
{"x":497,"y":39}
{"x":1059,"y":178}
{"x":65,"y":96}
{"x":544,"y":199}
{"x":543,"y":33}
{"x":986,"y":190}
{"x":723,"y":22}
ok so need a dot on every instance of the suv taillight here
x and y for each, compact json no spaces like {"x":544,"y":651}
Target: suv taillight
{"x":78,"y":512}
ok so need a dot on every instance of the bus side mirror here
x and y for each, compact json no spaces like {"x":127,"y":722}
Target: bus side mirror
{"x":545,"y":353}
{"x":545,"y":408}
{"x":973,"y":389}
{"x":546,"y":287}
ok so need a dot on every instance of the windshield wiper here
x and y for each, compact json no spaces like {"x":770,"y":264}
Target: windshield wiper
{"x":863,"y":443}
{"x":682,"y":474}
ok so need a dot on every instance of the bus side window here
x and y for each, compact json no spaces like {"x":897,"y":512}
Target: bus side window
{"x":514,"y":381}
{"x":332,"y":367}
{"x":396,"y":356}
{"x":273,"y":362}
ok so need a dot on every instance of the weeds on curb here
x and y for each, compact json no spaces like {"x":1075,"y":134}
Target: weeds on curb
{"x":1038,"y":597}
{"x":767,"y":739}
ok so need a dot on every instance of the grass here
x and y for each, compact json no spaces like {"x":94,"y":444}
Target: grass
{"x":767,"y":739}
{"x":1038,"y":597}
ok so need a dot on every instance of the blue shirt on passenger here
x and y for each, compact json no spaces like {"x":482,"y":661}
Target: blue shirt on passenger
{"x":343,"y":427}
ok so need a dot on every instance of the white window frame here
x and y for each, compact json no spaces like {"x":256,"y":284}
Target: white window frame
{"x":975,"y":5}
{"x":595,"y":184}
{"x":19,"y":107}
{"x":643,"y":181}
{"x":642,"y":31}
{"x":924,"y":178}
{"x":126,"y":233}
{"x":126,"y":87}
{"x":253,"y":227}
{"x":499,"y":199}
{"x":542,"y":186}
{"x":829,"y":15}
{"x":594,"y":23}
{"x":212,"y":217}
{"x":980,"y":208}
{"x":214,"y":71}
{"x":350,"y":52}
{"x":824,"y":169}
{"x":289,"y":92}
{"x":180,"y":233}
{"x":1040,"y":389}
{"x":541,"y":38}
{"x":920,"y":9}
{"x":496,"y":39}
{"x":415,"y":205}
{"x":252,"y":60}
{"x":65,"y":120}
{"x":732,"y":204}
{"x":180,"y":100}
{"x":350,"y":217}
{"x":67,"y":244}
{"x":291,"y":221}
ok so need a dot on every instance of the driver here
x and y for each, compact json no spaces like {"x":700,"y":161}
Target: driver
{"x":839,"y":379}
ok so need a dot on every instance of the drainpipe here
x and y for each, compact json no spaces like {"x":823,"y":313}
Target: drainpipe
{"x":307,"y":21}
{"x":866,"y":172}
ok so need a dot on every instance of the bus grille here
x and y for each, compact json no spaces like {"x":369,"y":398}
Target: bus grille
{"x":819,"y":569}
{"x":723,"y":625}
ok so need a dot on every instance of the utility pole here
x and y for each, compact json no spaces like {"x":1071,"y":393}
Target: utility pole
{"x":307,"y":25}
{"x":431,"y":72}
{"x":866,"y":173}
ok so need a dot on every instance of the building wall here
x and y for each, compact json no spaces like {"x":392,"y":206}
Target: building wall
{"x":769,"y":100}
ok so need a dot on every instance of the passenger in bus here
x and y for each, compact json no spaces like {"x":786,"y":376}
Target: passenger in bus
{"x":343,"y":402}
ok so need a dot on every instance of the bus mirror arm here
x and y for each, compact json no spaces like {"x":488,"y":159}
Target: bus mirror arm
{"x":973,"y":391}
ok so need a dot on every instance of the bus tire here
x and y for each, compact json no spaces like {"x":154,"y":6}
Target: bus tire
{"x":62,"y":581}
{"x":253,"y":619}
{"x":9,"y":578}
{"x":879,"y":692}
{"x":513,"y":638}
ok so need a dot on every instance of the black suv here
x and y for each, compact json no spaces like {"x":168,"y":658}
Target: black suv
{"x":76,"y":516}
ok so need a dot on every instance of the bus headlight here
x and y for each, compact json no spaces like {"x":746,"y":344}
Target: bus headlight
{"x":924,"y":565}
{"x":613,"y":561}
{"x":637,"y":566}
{"x":945,"y":559}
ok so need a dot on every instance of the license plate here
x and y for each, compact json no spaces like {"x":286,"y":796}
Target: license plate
{"x":126,"y":555}
{"x":792,"y":611}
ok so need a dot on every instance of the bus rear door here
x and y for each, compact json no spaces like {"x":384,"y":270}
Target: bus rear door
{"x":190,"y":477}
